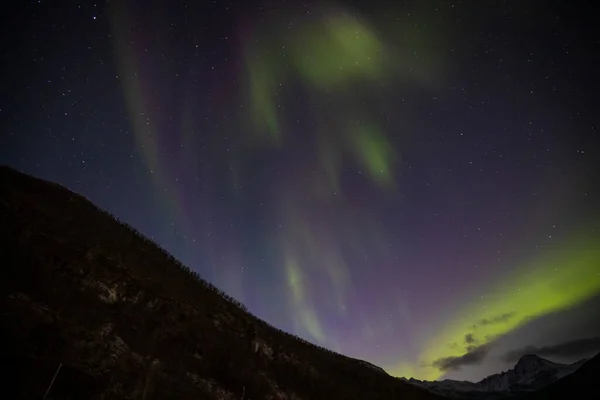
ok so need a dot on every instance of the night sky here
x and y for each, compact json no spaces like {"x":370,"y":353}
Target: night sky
{"x":409,"y":183}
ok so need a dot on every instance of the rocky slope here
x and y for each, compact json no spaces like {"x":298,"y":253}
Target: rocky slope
{"x":530,"y":374}
{"x":93,"y":310}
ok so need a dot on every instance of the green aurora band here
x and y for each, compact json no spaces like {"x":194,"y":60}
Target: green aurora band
{"x":561,"y":278}
{"x":328,"y":55}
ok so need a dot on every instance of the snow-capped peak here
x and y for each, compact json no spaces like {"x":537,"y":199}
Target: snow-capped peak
{"x":530,"y":364}
{"x":530,"y":373}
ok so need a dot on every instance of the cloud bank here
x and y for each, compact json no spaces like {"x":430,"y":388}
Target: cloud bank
{"x":574,"y":348}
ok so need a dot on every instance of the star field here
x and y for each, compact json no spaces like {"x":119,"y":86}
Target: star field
{"x":409,"y":183}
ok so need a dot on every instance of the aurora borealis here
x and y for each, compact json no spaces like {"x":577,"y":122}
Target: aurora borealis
{"x":410,"y":183}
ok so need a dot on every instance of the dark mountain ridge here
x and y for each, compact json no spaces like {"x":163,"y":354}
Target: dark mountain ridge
{"x":531,"y":374}
{"x":92,"y":309}
{"x":582,"y":384}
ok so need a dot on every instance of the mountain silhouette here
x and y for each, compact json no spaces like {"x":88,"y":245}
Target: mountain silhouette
{"x":582,"y":384}
{"x":531,"y":374}
{"x":92,"y":309}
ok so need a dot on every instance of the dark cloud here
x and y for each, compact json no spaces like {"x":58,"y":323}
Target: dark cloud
{"x":495,"y":320}
{"x":469,"y":338}
{"x":475,"y":355}
{"x":574,"y":348}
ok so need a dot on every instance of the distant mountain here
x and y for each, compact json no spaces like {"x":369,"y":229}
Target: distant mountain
{"x":531,"y":373}
{"x":91,"y":309}
{"x":583,"y":384}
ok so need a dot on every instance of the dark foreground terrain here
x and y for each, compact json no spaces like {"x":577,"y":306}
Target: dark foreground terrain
{"x":91,"y":302}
